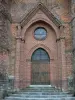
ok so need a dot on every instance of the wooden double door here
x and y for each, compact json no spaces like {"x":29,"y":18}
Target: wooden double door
{"x":40,"y":73}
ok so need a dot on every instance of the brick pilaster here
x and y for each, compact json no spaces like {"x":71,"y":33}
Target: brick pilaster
{"x":17,"y":64}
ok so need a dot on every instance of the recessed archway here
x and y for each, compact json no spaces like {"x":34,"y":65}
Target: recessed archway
{"x":40,"y":67}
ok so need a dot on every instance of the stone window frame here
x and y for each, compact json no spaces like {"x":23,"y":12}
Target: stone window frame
{"x":42,"y":38}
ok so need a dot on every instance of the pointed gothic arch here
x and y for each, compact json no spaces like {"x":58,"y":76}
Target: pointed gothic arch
{"x":30,"y":19}
{"x":40,"y":54}
{"x":44,"y":9}
{"x":40,"y":67}
{"x":51,"y":55}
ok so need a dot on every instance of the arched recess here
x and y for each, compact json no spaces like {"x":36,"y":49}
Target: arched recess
{"x":40,"y":67}
{"x":48,"y":22}
{"x":40,"y":46}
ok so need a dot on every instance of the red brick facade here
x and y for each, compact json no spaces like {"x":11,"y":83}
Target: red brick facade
{"x":58,"y":43}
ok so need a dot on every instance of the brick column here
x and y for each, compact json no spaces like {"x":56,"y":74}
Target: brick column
{"x":73,"y":41}
{"x":62,"y":61}
{"x":59,"y":82}
{"x":73,"y":38}
{"x":17,"y":64}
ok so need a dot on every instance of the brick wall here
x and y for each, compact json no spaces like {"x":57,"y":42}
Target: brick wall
{"x":60,"y":9}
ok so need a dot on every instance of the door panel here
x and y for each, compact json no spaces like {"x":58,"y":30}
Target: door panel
{"x":40,"y":73}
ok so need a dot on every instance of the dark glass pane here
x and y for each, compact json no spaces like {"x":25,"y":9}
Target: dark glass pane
{"x":40,"y":33}
{"x":40,"y":55}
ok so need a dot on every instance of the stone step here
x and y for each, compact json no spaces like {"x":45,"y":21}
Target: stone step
{"x":44,"y":93}
{"x":38,"y":90}
{"x":30,"y":94}
{"x":18,"y":98}
{"x":40,"y":87}
{"x":40,"y":93}
{"x":41,"y":96}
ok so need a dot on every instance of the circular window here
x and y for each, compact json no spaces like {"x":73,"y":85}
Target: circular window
{"x":40,"y":33}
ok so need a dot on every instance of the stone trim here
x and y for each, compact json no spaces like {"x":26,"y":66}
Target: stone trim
{"x":20,"y":38}
{"x":60,"y":39}
{"x":43,"y":8}
{"x":40,"y":46}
